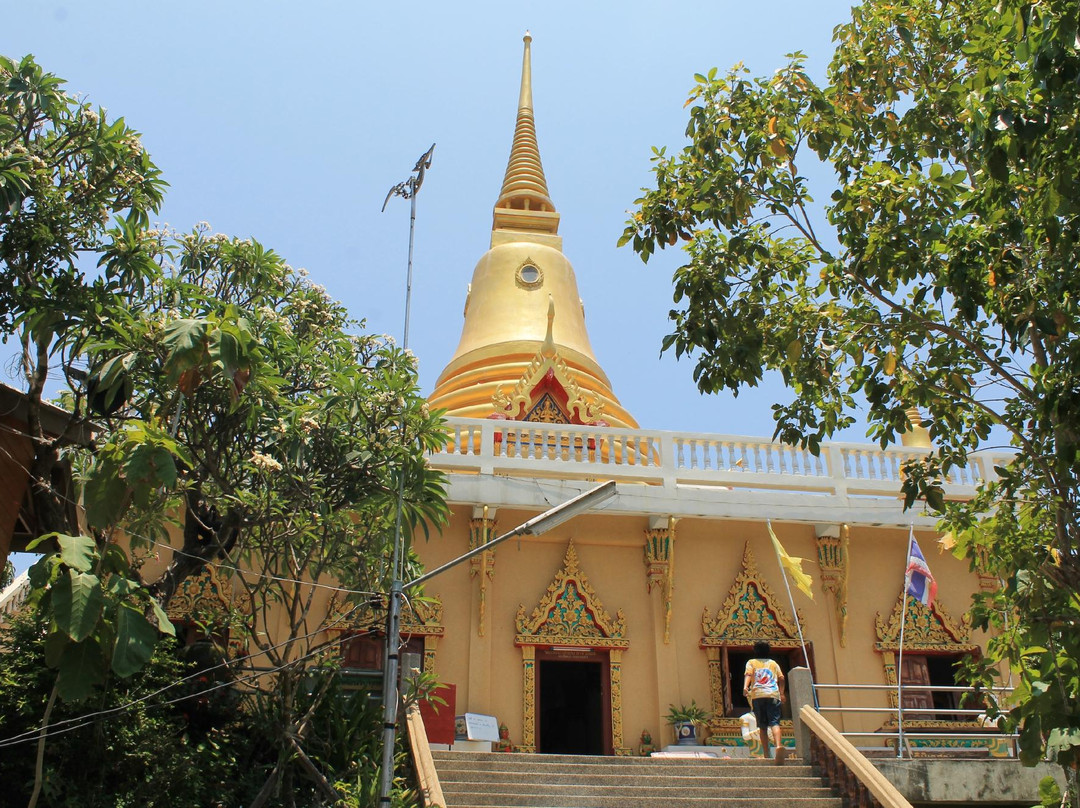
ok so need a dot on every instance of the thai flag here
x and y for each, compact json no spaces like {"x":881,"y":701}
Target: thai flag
{"x":920,"y":582}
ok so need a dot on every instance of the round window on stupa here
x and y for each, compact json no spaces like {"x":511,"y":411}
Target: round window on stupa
{"x":529,"y":276}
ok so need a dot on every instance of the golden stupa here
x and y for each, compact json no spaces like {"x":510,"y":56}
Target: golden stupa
{"x":524,"y":353}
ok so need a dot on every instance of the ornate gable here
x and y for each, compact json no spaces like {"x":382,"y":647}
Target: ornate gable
{"x":422,"y":616}
{"x":926,"y":628}
{"x":750,"y":613}
{"x":206,"y":598}
{"x":570,"y":613}
{"x":547,"y":392}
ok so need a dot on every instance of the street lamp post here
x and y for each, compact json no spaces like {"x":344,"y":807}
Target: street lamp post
{"x":408,"y":190}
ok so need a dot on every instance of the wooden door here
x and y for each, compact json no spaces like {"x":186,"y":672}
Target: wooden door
{"x":914,"y":672}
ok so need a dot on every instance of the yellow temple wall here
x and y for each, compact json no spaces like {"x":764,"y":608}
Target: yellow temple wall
{"x":707,"y":557}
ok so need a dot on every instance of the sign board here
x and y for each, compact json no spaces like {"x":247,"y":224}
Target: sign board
{"x":476,"y":727}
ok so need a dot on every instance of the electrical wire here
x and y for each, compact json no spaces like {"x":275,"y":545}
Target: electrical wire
{"x":178,"y":551}
{"x":30,"y":736}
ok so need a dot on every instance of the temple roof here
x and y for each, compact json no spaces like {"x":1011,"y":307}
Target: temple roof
{"x":524,"y":334}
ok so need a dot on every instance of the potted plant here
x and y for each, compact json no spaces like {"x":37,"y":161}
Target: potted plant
{"x":685,"y":719}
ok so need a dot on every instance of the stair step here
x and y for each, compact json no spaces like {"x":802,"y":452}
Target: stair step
{"x":517,"y":780}
{"x":638,"y":779}
{"x":515,"y":800}
{"x":594,"y":790}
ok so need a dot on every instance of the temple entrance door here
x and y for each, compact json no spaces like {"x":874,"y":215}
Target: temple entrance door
{"x":573,"y":703}
{"x":915,"y":671}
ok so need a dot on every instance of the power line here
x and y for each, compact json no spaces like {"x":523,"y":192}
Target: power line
{"x":32,"y":735}
{"x":176,"y":550}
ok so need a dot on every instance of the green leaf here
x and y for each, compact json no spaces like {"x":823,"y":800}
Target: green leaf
{"x":998,"y":164}
{"x":1062,"y":740}
{"x":115,"y":560}
{"x":78,"y":552}
{"x":77,"y":603}
{"x":82,"y":668}
{"x":42,"y":572}
{"x":135,"y":640}
{"x":105,"y":494}
{"x":164,"y":624}
{"x":55,"y":645}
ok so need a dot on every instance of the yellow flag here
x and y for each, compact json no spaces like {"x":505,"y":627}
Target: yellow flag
{"x":793,"y":566}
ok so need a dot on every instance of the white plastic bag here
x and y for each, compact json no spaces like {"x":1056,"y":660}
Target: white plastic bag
{"x":748,"y":722}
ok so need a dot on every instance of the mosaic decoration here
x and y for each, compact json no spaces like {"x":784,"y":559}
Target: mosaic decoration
{"x":988,"y":581}
{"x":659,"y":569}
{"x":546,"y":411}
{"x":571,"y":614}
{"x":751,"y":612}
{"x":925,"y":628}
{"x":482,"y":566}
{"x":994,"y":745}
{"x":833,"y":561}
{"x":208,"y":600}
{"x":546,"y":391}
{"x":615,"y":668}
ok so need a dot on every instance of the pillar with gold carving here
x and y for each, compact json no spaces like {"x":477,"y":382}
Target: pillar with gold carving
{"x":659,"y":564}
{"x":482,"y":566}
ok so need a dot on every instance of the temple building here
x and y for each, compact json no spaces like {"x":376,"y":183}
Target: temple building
{"x":580,"y":640}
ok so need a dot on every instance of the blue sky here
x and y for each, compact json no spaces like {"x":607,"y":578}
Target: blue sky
{"x":288,"y":123}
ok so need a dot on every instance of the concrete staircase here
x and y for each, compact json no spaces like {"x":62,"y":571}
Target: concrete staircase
{"x":506,"y":780}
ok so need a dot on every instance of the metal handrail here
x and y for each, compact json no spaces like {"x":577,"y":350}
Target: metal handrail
{"x":934,"y":688}
{"x":907,"y":710}
{"x":978,"y":732}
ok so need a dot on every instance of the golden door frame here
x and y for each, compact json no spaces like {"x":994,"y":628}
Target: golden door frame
{"x":751,"y":612}
{"x":570,"y":615}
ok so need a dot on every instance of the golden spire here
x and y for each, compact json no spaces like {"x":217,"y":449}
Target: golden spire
{"x":524,"y":319}
{"x":917,"y":436}
{"x":524,"y":203}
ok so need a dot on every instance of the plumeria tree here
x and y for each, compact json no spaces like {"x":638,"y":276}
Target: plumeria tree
{"x":241,"y":420}
{"x":937,"y":271}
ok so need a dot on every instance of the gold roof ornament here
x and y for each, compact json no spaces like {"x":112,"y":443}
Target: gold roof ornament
{"x":917,"y":437}
{"x":516,"y":284}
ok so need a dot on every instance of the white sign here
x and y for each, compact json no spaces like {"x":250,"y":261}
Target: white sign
{"x":476,"y":727}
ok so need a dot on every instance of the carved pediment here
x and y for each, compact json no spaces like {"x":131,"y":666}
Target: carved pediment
{"x":547,"y":391}
{"x":206,"y":597}
{"x":751,"y":612}
{"x":570,"y":613}
{"x":419,"y":616}
{"x":925,"y":628}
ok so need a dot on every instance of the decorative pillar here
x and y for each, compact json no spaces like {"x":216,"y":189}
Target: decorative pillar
{"x":615,"y":669}
{"x":832,"y":547}
{"x":988,"y":581}
{"x":718,"y":696}
{"x":431,"y":648}
{"x":482,"y":566}
{"x":660,"y":563}
{"x":528,"y":705}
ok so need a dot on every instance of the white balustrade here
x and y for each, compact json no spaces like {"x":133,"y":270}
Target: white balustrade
{"x":14,"y":595}
{"x":671,"y":458}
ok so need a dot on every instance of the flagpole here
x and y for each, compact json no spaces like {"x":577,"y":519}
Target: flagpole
{"x":794,"y":611}
{"x":900,"y":655}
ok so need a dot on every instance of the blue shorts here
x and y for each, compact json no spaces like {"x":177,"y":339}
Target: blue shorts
{"x":767,"y":712}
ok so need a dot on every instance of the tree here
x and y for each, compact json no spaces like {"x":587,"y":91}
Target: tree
{"x":940,"y":274}
{"x":293,"y":432}
{"x":121,"y":748}
{"x":241,"y":420}
{"x":66,"y":171}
